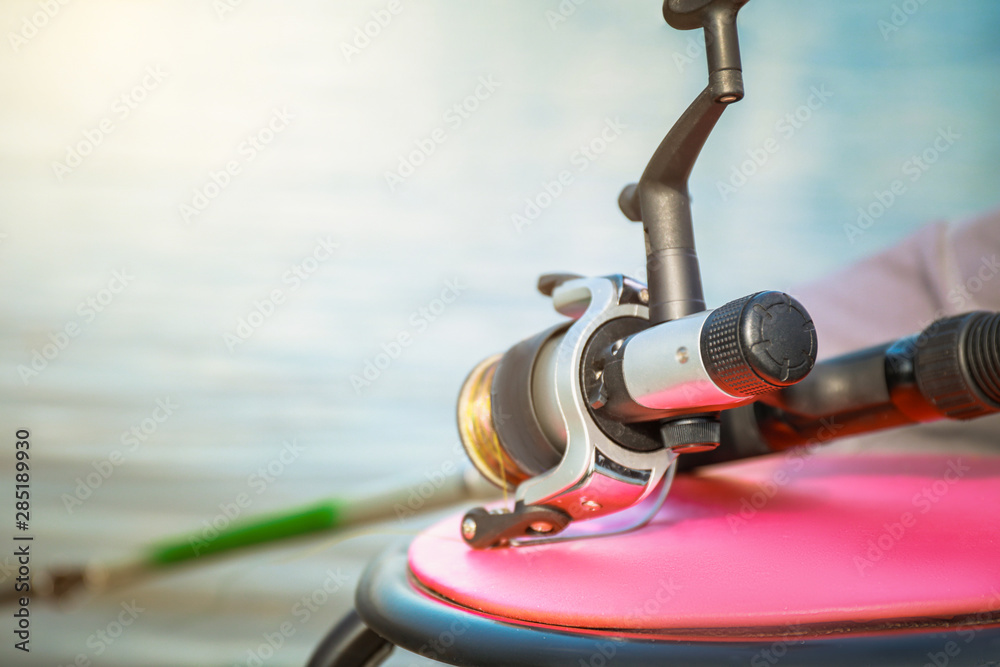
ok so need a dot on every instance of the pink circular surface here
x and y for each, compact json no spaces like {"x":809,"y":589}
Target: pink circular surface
{"x":780,"y":541}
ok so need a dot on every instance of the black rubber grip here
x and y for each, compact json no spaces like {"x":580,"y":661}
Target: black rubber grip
{"x":957,"y":365}
{"x":759,"y":343}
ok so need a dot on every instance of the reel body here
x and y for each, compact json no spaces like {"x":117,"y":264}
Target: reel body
{"x":593,"y":475}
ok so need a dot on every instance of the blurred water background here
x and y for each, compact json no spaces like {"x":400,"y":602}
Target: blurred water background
{"x":884,"y":80}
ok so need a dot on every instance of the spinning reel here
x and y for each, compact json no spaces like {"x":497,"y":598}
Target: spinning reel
{"x":587,"y":418}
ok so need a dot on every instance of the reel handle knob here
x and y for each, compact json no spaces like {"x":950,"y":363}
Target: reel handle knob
{"x":722,"y":46}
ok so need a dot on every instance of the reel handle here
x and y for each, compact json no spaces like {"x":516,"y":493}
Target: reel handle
{"x":722,"y":45}
{"x":660,"y":199}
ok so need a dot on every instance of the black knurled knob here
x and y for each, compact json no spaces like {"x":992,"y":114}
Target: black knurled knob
{"x":759,"y":343}
{"x":697,"y":434}
{"x":957,"y":365}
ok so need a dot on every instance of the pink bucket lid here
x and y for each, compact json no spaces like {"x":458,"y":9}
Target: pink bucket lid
{"x":775,"y":542}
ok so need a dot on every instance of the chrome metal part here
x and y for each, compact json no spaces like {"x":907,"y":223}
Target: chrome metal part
{"x":664,"y":370}
{"x":593,"y":466}
{"x":642,"y":520}
{"x":468,"y":527}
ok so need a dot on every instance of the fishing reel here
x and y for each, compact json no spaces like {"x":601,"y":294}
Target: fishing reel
{"x":586,"y":418}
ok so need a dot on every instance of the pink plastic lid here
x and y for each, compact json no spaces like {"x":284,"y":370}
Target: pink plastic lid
{"x":775,"y":542}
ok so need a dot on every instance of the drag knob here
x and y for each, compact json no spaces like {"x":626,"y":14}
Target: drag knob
{"x":756,"y":344}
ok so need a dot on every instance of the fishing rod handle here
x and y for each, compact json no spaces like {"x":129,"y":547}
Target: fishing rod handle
{"x":950,"y":370}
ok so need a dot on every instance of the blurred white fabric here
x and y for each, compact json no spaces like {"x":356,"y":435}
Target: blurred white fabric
{"x":941,"y":270}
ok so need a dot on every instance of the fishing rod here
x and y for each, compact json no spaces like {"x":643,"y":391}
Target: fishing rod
{"x":330,"y":515}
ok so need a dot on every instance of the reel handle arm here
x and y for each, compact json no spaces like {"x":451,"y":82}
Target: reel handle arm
{"x":660,"y":199}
